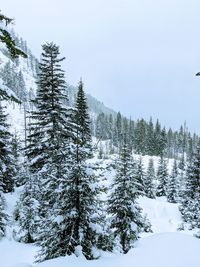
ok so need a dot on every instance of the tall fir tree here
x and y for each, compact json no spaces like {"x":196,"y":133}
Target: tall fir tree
{"x":27,"y":212}
{"x":162,"y":177}
{"x":49,"y":147}
{"x":74,"y":216}
{"x":126,"y":219}
{"x":172,"y":184}
{"x":139,"y":177}
{"x":3,"y":215}
{"x":190,"y":202}
{"x":149,"y":180}
{"x":82,"y":206}
{"x":7,"y":166}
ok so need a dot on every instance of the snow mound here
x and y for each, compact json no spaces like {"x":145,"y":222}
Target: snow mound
{"x":166,"y":250}
{"x":164,"y":216}
{"x":14,"y":254}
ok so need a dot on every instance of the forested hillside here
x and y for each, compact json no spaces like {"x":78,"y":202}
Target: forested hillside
{"x":78,"y":180}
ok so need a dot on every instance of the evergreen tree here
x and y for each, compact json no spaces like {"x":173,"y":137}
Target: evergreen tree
{"x":150,"y":139}
{"x":73,"y":218}
{"x":21,"y":87}
{"x":190,"y":203}
{"x":149,"y":180}
{"x":162,"y":176}
{"x":3,"y":215}
{"x":172,"y":190}
{"x":6,"y":38}
{"x":27,"y":212}
{"x":49,"y":147}
{"x":16,"y":151}
{"x":140,"y":137}
{"x":50,"y":123}
{"x":126,"y":220}
{"x":7,"y":167}
{"x":139,"y":177}
{"x":8,"y":41}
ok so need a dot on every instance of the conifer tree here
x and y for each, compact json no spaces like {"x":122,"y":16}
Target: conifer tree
{"x":8,"y":41}
{"x":190,"y":203}
{"x":149,"y":180}
{"x":27,"y":212}
{"x":3,"y":215}
{"x":73,"y":218}
{"x":162,"y":177}
{"x":139,"y":177}
{"x":6,"y":38}
{"x":126,"y":220}
{"x":150,"y":150}
{"x":49,"y":147}
{"x":81,"y":208}
{"x":50,"y":122}
{"x":172,"y":190}
{"x":7,"y":167}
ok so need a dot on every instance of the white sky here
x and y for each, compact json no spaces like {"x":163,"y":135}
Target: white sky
{"x":137,"y":56}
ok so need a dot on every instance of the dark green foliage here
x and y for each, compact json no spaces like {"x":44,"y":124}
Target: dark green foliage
{"x":7,"y":166}
{"x":79,"y":210}
{"x":48,"y":150}
{"x":162,"y":177}
{"x":149,"y":180}
{"x":126,"y":220}
{"x":27,"y":212}
{"x":190,"y":202}
{"x":172,"y":184}
{"x":139,"y":177}
{"x":5,"y":37}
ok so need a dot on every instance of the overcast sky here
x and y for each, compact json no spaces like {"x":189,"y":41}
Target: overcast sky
{"x":137,"y":56}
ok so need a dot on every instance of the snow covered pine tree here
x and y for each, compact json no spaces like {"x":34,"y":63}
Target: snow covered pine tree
{"x":125,"y":214}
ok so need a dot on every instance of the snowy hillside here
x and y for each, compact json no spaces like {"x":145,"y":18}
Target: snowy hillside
{"x":89,"y":189}
{"x":163,"y":248}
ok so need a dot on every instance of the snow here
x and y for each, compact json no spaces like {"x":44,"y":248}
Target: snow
{"x":164,"y":216}
{"x":159,"y":250}
{"x":12,"y":253}
{"x":165,"y":247}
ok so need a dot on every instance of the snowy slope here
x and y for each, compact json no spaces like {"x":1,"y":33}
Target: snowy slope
{"x":164,"y":216}
{"x":160,"y":250}
{"x":164,"y":248}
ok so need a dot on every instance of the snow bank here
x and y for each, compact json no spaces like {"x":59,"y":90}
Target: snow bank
{"x":164,"y":216}
{"x":14,"y":254}
{"x":160,"y":250}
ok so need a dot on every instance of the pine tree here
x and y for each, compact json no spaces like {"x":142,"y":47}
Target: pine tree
{"x":8,"y":41}
{"x":162,"y":176}
{"x":172,"y":190}
{"x":181,"y":178}
{"x":27,"y":212}
{"x":50,"y":122}
{"x":6,"y":38}
{"x":139,"y":177}
{"x":49,"y":146}
{"x":7,"y":167}
{"x":71,"y":223}
{"x":190,"y":203}
{"x":150,"y":150}
{"x":149,"y":180}
{"x":16,"y":150}
{"x":126,"y":220}
{"x":3,"y":215}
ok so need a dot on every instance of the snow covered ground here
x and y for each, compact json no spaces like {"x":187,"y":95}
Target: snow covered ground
{"x":164,"y":248}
